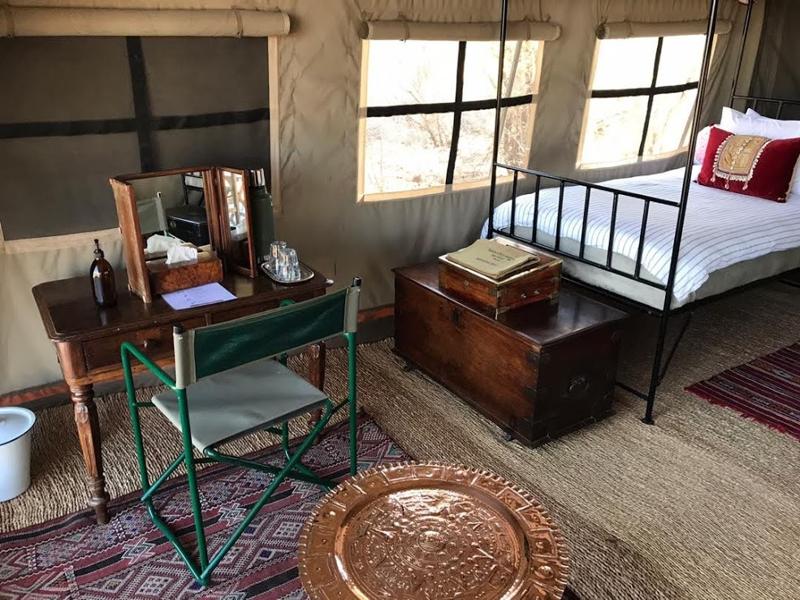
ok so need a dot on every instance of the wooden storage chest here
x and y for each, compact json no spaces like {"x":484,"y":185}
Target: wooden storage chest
{"x":538,"y":371}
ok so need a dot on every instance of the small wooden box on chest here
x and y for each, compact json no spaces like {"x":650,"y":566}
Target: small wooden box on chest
{"x":538,"y":371}
{"x":540,"y":283}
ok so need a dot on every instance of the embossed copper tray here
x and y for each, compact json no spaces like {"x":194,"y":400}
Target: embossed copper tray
{"x":433,"y":532}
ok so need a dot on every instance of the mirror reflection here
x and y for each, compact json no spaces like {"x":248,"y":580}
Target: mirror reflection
{"x":235,"y":207}
{"x":172,"y":212}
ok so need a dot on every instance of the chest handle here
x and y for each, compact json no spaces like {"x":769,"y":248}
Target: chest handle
{"x":578,"y":386}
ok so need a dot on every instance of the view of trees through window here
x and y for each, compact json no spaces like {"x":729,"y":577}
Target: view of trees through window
{"x":430,"y":117}
{"x":643,"y":94}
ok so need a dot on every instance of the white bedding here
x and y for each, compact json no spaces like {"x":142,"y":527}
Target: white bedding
{"x":721,"y":229}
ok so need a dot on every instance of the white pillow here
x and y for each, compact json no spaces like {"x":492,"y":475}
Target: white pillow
{"x":732,"y":120}
{"x":774,"y":129}
{"x":701,"y":144}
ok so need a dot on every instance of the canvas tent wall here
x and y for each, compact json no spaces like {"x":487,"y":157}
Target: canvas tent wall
{"x":314,"y":113}
{"x":776,"y":74}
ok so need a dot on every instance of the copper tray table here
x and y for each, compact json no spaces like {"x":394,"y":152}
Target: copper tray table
{"x":433,"y":532}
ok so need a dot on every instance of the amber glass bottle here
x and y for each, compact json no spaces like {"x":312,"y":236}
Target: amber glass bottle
{"x":102,"y":275}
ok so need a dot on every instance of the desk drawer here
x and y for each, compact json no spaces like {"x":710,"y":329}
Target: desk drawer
{"x":155,"y":342}
{"x":221,"y":316}
{"x":242,"y":311}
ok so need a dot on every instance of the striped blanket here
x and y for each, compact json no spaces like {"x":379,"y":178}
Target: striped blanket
{"x":722,"y":228}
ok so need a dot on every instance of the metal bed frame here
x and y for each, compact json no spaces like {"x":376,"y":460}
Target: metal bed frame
{"x":660,"y":363}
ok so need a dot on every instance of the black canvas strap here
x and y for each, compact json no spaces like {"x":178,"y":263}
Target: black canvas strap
{"x":141,"y":103}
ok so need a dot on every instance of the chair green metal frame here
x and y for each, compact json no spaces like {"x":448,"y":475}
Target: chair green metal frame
{"x":336,"y":315}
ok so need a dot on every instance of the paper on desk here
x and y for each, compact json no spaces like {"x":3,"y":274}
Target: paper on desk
{"x":201,"y":295}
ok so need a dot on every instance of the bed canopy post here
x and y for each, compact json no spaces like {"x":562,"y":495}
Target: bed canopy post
{"x":745,"y":30}
{"x":497,"y":112}
{"x":702,"y":85}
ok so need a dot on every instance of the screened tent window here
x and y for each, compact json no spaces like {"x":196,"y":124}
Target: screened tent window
{"x":124,"y":105}
{"x":643,"y":94}
{"x":430,"y":112}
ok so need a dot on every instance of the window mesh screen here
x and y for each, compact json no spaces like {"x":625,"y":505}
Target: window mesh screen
{"x":75,"y":111}
{"x":430,"y":112}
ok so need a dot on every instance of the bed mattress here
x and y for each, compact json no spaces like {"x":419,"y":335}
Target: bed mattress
{"x":729,"y":239}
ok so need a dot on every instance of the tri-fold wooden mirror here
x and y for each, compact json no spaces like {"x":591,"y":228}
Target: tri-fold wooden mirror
{"x":183,"y":227}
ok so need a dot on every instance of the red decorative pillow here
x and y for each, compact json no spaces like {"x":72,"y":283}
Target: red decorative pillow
{"x":749,"y":164}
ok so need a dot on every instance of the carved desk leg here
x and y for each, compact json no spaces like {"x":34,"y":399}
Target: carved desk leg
{"x":316,"y":375}
{"x":89,"y":435}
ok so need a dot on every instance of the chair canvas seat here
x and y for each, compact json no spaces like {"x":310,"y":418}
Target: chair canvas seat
{"x":246,"y":398}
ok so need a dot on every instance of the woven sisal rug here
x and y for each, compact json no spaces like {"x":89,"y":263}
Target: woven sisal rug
{"x":702,"y":505}
{"x":72,"y":557}
{"x":766,"y":389}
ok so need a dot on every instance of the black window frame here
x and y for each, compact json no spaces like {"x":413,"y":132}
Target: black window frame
{"x":457,"y":107}
{"x":651,"y":92}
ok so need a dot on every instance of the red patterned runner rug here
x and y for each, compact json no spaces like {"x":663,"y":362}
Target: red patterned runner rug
{"x":766,"y":389}
{"x":72,"y":557}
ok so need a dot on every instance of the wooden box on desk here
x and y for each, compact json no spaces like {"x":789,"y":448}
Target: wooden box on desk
{"x":538,"y":371}
{"x":540,"y":283}
{"x":166,"y":278}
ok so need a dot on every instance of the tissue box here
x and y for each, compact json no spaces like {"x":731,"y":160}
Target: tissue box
{"x":179,"y":276}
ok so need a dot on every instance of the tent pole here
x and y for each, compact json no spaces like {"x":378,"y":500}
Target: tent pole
{"x":702,"y":85}
{"x":498,"y":109}
{"x":745,"y":30}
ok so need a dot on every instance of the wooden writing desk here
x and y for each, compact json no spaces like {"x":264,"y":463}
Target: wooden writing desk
{"x":88,"y":338}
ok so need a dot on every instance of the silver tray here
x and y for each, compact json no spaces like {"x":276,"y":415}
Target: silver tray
{"x":306,"y":274}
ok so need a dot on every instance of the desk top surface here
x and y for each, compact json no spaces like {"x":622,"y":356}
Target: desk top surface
{"x":68,"y":310}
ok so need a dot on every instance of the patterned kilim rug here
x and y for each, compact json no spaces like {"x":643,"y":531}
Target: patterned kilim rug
{"x":766,"y":389}
{"x":72,"y":557}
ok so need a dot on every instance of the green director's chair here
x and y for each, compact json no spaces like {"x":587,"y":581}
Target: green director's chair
{"x":228,"y":384}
